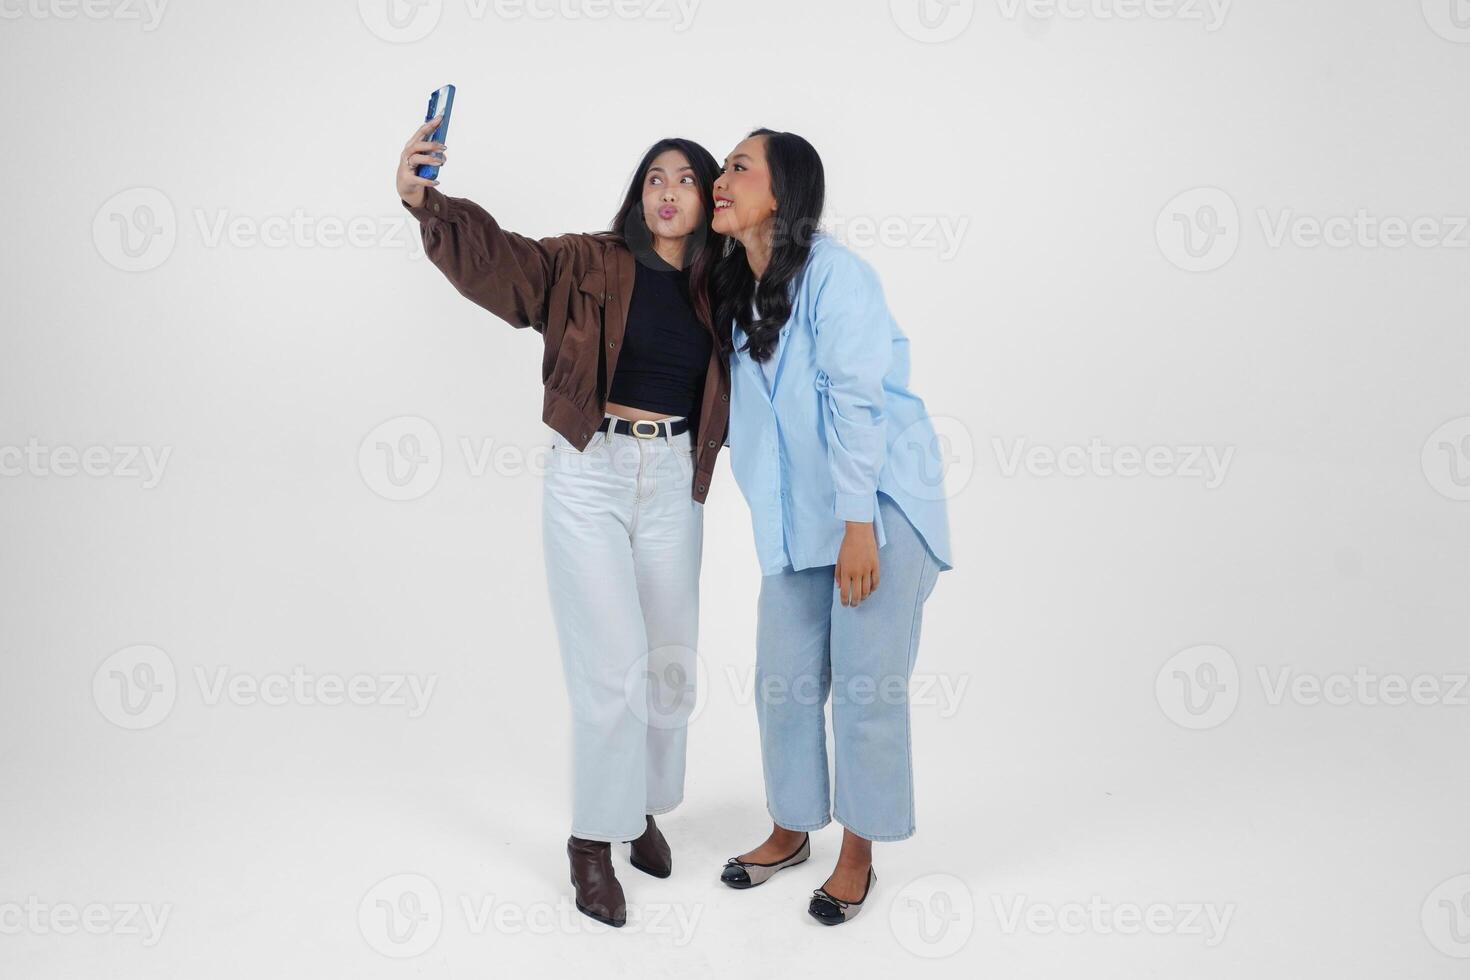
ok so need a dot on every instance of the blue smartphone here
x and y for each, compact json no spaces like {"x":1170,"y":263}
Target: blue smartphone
{"x":440,"y":101}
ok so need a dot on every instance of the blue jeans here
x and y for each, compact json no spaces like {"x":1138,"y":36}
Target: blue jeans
{"x":809,"y":645}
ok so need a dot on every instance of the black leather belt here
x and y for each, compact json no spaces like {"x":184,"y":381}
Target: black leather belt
{"x":645,"y":429}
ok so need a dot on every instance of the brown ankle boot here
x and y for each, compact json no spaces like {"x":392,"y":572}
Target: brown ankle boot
{"x":650,"y":853}
{"x":598,"y":892}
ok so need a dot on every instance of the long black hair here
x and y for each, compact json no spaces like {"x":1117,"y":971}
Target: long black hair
{"x":703,"y":247}
{"x":799,"y":185}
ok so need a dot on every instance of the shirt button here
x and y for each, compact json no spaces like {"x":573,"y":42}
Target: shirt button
{"x":724,"y":398}
{"x":612,"y":343}
{"x":701,"y":488}
{"x":711,"y":444}
{"x":436,"y":208}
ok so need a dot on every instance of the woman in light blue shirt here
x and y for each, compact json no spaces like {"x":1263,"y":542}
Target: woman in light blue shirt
{"x":843,"y":474}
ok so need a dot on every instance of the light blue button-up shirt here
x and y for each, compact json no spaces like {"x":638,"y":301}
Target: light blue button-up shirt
{"x":837,"y":426}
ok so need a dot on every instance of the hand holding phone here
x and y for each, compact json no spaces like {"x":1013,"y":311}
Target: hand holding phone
{"x":424,"y":153}
{"x":441,"y":104}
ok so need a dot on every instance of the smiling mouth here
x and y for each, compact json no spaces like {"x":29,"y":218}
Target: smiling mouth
{"x":723,"y":203}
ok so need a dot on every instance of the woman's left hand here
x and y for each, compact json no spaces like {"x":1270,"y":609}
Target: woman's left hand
{"x":857,"y":563}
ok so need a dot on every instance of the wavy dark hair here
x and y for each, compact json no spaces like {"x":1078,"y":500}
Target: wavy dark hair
{"x":799,"y":185}
{"x":702,"y":249}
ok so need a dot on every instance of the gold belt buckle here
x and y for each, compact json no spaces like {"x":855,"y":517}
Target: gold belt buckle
{"x":652,"y":429}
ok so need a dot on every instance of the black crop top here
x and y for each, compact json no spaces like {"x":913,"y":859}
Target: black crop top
{"x":666,"y":350}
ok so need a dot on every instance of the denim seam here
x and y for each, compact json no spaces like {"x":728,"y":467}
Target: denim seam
{"x":615,"y":839}
{"x":803,"y":827}
{"x":654,"y":811}
{"x":908,"y":733}
{"x":877,"y":837}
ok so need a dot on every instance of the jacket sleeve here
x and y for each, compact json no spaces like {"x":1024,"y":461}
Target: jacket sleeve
{"x":507,"y":274}
{"x":853,"y":350}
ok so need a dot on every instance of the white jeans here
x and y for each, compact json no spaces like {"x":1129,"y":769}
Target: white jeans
{"x":623,"y":538}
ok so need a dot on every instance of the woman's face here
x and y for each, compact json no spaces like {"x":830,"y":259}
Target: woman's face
{"x":671,"y":204}
{"x":743,"y":201}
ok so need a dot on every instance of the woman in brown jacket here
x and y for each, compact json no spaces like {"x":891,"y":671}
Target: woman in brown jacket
{"x":637,"y":391}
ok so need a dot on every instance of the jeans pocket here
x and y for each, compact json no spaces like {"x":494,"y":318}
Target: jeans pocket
{"x":561,"y":444}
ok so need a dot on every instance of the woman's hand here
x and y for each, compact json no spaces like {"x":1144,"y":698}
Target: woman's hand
{"x":857,"y":563}
{"x":419,"y":149}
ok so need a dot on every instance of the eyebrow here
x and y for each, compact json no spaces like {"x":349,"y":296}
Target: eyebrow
{"x":661,"y":169}
{"x":737,"y":156}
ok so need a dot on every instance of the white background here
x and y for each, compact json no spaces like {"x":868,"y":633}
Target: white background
{"x":1069,"y":766}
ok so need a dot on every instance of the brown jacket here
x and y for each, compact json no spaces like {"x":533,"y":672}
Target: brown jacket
{"x":574,"y":290}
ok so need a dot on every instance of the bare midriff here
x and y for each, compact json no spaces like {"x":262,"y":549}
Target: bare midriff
{"x":635,"y":414}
